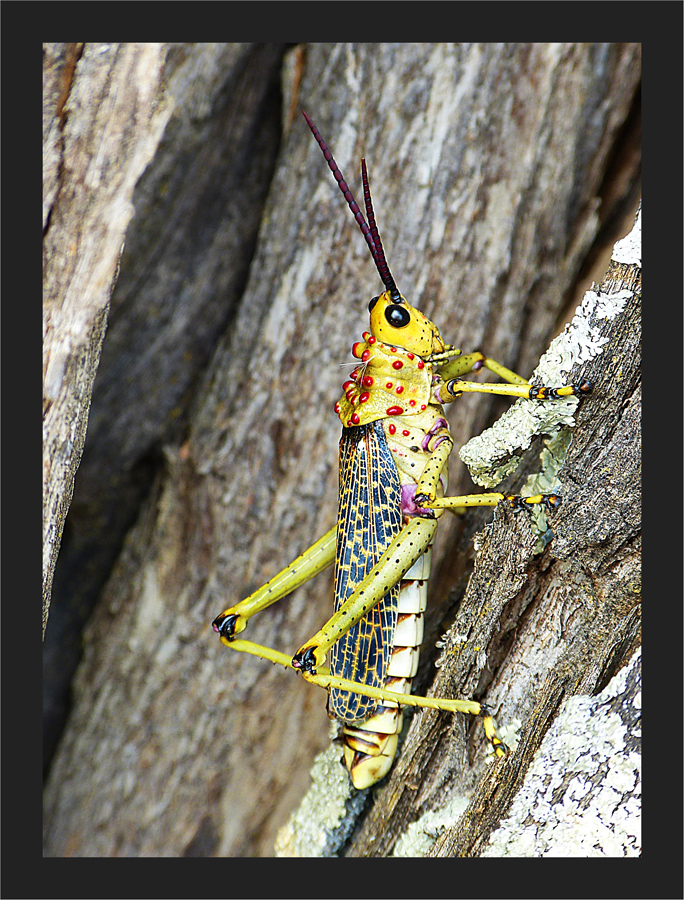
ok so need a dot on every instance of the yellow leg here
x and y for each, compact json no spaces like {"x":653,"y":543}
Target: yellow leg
{"x":456,"y":387}
{"x":314,"y":560}
{"x":514,"y":501}
{"x":472,"y":362}
{"x":325,"y":680}
{"x":427,"y":484}
{"x":426,"y":489}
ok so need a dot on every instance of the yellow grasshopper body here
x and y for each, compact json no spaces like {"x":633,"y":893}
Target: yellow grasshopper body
{"x":394,"y":452}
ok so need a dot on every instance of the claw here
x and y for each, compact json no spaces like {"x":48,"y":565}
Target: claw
{"x":305,"y":660}
{"x":225,"y":625}
{"x":548,"y":501}
{"x":490,"y":733}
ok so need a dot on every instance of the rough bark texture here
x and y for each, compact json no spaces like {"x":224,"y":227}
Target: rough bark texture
{"x":183,"y":270}
{"x":102,"y":118}
{"x":499,"y":174}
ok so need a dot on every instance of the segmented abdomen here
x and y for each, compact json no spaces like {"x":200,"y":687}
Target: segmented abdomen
{"x":370,"y":746}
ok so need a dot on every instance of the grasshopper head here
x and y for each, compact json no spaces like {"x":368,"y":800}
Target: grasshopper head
{"x":394,"y":321}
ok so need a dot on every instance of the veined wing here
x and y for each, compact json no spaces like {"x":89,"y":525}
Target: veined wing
{"x":368,"y":520}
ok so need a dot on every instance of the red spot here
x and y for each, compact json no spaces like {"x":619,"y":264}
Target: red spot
{"x":365,"y":356}
{"x":347,"y":385}
{"x":355,"y":419}
{"x":336,"y":407}
{"x":392,"y":428}
{"x":410,"y":356}
{"x":421,"y":364}
{"x":394,"y":410}
{"x":412,"y":402}
{"x":371,"y":339}
{"x":367,"y":381}
{"x":357,"y":349}
{"x":354,"y":374}
{"x":393,"y":349}
{"x":364,"y":397}
{"x":400,"y":389}
{"x":406,"y":432}
{"x":397,"y":364}
{"x":423,"y":406}
{"x":389,"y":385}
{"x":367,"y":335}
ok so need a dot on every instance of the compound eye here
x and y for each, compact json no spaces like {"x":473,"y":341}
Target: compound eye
{"x":397,"y":316}
{"x":372,"y":303}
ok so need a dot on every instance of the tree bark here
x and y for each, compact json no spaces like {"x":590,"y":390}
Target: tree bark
{"x":182,"y":273}
{"x":103,"y":117}
{"x":499,"y":175}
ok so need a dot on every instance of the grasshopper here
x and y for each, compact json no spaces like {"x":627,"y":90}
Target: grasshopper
{"x":394,"y":451}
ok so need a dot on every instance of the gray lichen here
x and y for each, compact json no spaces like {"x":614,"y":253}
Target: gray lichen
{"x":493,"y":455}
{"x":317,"y":827}
{"x":582,"y":794}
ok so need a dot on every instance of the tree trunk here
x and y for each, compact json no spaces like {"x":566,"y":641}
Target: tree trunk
{"x":182,"y":274}
{"x":500,"y":173}
{"x":103,"y":116}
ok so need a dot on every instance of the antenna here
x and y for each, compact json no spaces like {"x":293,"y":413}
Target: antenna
{"x":370,"y":233}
